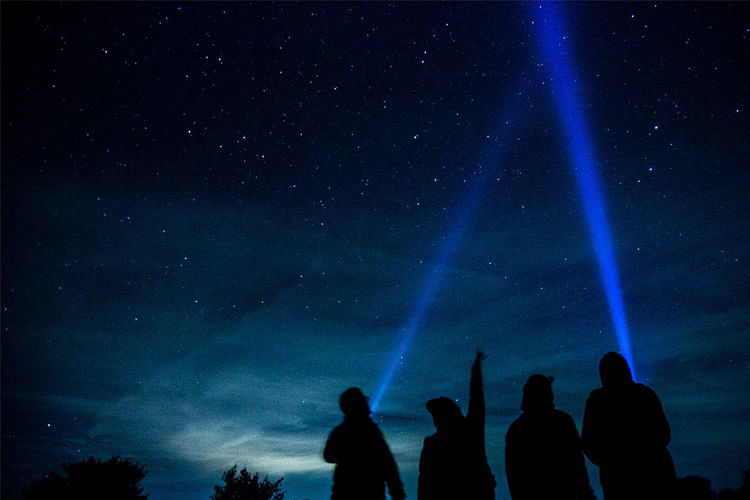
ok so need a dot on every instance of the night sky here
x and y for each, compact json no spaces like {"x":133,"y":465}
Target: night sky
{"x":217,"y":217}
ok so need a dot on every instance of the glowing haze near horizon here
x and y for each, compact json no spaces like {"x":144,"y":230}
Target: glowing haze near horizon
{"x":217,"y":217}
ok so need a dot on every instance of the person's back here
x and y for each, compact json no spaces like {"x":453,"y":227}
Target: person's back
{"x":364,"y":463}
{"x":626,"y":433}
{"x":543,"y":457}
{"x":443,"y":468}
{"x":453,"y":464}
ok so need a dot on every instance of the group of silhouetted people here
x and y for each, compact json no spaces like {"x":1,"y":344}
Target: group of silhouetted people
{"x":625,"y":433}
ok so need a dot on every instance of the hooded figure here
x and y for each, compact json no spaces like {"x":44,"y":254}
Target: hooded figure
{"x":626,"y":433}
{"x":453,"y":464}
{"x":543,"y":457}
{"x":364,"y":463}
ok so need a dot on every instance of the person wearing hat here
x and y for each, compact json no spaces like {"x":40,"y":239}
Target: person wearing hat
{"x":364,"y":463}
{"x":453,"y":464}
{"x":543,"y":455}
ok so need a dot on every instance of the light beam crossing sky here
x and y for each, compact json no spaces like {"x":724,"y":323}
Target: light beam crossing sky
{"x":556,"y":51}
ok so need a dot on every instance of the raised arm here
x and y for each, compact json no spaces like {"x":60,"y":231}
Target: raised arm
{"x":476,"y":392}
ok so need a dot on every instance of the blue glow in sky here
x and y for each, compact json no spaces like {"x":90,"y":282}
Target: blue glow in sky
{"x":488,"y":165}
{"x":434,"y":278}
{"x":555,"y":47}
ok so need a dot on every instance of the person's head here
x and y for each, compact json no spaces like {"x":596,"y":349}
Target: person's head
{"x":537,"y":394}
{"x":353,"y":403}
{"x":446,"y":415}
{"x":614,"y":370}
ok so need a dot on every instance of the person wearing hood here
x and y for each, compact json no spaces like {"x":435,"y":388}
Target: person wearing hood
{"x":453,"y":464}
{"x":543,"y":457}
{"x":626,"y":433}
{"x":364,"y":463}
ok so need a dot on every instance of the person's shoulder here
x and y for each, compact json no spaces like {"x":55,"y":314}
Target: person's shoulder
{"x":642,"y":388}
{"x":431,"y":442}
{"x":644,"y":391}
{"x":598,"y":392}
{"x":597,"y":395}
{"x":375,"y":430}
{"x":339,"y":428}
{"x":518,"y":424}
{"x":564,"y":420}
{"x":357,"y":429}
{"x":562,"y":416}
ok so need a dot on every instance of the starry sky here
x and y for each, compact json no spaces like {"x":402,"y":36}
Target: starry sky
{"x":216,"y":217}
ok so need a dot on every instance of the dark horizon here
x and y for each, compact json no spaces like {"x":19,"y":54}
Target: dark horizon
{"x":218,"y":216}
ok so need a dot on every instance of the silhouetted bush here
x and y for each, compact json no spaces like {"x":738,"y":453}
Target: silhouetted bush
{"x":741,"y":494}
{"x":694,"y":488}
{"x":699,"y":488}
{"x":247,"y":487}
{"x":115,"y":479}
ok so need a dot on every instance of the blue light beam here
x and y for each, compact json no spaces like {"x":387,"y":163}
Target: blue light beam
{"x":489,"y":163}
{"x":555,"y":47}
{"x":431,"y":285}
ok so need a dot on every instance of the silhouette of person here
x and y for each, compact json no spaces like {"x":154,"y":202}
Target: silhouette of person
{"x":626,"y":433}
{"x":364,"y":463}
{"x":453,"y":464}
{"x":543,"y":456}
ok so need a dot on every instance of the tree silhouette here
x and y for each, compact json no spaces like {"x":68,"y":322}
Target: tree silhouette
{"x":247,"y":487}
{"x":115,"y":479}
